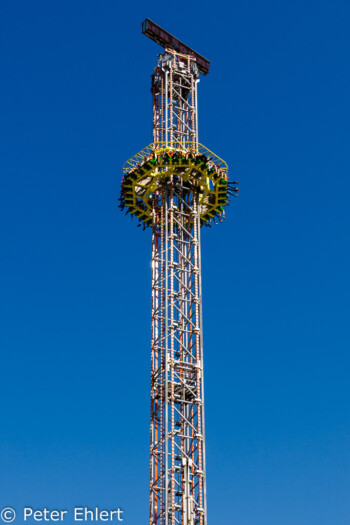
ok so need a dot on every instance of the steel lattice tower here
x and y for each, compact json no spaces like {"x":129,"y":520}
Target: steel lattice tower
{"x":176,"y":185}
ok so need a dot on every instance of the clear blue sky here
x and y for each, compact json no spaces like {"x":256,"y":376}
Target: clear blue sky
{"x":75,"y":273}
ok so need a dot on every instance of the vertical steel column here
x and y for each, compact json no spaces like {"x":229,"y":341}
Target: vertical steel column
{"x":177,"y":487}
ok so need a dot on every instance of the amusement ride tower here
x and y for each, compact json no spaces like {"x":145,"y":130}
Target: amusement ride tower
{"x":175,"y":185}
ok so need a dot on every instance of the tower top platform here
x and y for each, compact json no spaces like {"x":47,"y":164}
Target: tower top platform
{"x":165,"y":39}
